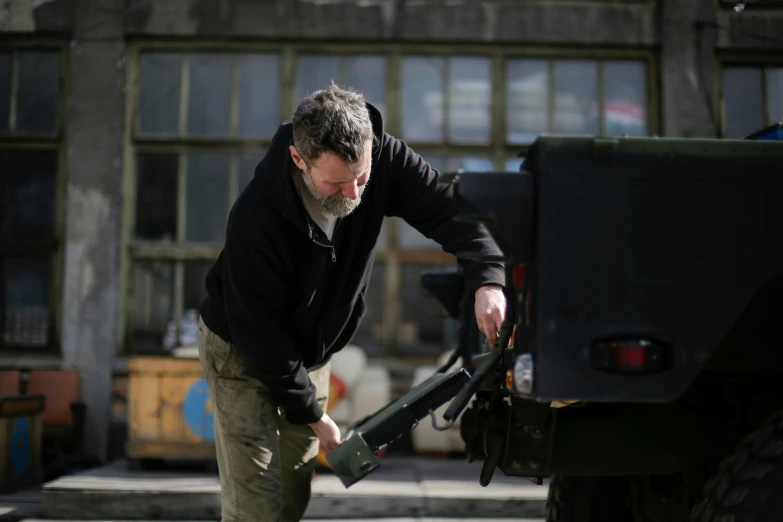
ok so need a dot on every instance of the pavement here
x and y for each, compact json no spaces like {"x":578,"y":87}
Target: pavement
{"x":403,"y":489}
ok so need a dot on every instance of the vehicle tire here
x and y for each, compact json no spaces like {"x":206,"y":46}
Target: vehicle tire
{"x":589,"y":499}
{"x":748,"y":483}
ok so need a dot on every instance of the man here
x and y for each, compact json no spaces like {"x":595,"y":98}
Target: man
{"x":288,"y":290}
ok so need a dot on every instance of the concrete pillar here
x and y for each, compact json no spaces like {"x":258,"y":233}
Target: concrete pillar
{"x":94,"y":135}
{"x":689,"y":105}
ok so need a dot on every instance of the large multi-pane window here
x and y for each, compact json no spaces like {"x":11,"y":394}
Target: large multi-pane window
{"x":30,"y":135}
{"x":202,"y":120}
{"x":752,"y":99}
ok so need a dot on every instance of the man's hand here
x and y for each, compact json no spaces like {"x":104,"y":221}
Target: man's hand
{"x":327,"y":432}
{"x":490,"y":310}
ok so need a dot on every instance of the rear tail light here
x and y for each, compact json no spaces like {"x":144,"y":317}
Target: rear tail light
{"x":631,"y":356}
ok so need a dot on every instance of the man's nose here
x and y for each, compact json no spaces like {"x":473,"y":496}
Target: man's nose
{"x":351,"y":190}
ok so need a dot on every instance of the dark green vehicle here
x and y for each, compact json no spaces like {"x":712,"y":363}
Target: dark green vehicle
{"x":648,"y":296}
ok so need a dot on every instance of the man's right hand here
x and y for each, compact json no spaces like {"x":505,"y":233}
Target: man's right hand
{"x":327,"y":432}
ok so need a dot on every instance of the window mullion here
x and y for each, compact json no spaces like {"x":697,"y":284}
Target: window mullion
{"x":14,"y":91}
{"x":446,"y":119}
{"x":765,"y":95}
{"x":601,"y":99}
{"x":287,"y":82}
{"x":233,"y":182}
{"x":184,"y":96}
{"x":234,"y":103}
{"x":551,"y":95}
{"x":498,"y":111}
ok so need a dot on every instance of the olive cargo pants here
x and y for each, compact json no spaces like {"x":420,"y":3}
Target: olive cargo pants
{"x":265,"y":463}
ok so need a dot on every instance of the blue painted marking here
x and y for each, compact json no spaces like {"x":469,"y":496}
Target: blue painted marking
{"x":20,"y":445}
{"x":197,"y":410}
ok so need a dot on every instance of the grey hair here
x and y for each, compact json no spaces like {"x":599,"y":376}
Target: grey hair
{"x":332,"y":120}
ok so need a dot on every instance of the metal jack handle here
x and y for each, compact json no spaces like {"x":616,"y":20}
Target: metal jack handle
{"x":435,"y":423}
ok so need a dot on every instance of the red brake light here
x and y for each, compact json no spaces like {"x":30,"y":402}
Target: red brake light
{"x":519,"y":276}
{"x":631,"y":356}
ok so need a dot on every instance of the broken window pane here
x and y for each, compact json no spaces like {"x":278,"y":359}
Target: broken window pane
{"x":5,"y":90}
{"x":314,"y":73}
{"x":743,"y":100}
{"x":209,"y":104}
{"x":206,"y":197}
{"x":26,"y":299}
{"x":576,"y":98}
{"x":367,"y":74}
{"x":422,"y":99}
{"x":259,"y":95}
{"x":156,"y":197}
{"x":160,"y":80}
{"x":152,"y":308}
{"x":625,"y":100}
{"x":470,"y":100}
{"x":38,"y":92}
{"x":28,"y":194}
{"x":527,"y":100}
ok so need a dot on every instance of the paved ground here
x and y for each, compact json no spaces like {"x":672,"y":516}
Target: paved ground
{"x":401,"y":490}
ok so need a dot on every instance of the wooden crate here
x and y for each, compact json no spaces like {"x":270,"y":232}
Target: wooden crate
{"x":20,"y":441}
{"x":169,"y":410}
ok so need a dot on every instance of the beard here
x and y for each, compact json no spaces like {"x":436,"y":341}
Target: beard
{"x":336,"y":204}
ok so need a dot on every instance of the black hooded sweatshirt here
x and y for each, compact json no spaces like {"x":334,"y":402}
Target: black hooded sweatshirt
{"x":287,"y":298}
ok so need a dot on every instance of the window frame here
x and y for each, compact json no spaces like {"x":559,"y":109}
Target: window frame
{"x":55,"y":249}
{"x":740,"y":60}
{"x":393,"y":256}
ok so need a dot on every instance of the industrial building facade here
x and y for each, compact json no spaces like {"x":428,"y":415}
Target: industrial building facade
{"x":128,"y":127}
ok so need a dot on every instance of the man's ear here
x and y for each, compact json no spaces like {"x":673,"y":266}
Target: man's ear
{"x":296,"y":157}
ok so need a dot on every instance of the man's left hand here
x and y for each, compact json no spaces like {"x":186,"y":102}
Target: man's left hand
{"x":490,"y":310}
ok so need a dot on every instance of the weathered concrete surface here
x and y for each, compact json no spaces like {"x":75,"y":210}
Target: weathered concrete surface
{"x":688,"y":64}
{"x":406,"y":20}
{"x":94,"y":130}
{"x":401,"y":487}
{"x":27,"y":16}
{"x":753,"y":29}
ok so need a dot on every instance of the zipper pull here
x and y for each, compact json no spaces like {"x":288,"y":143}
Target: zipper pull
{"x":334,"y":256}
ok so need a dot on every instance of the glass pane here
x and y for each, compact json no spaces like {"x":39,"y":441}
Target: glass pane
{"x":625,"y":103}
{"x":246,"y":169}
{"x":206,"y":197}
{"x":369,"y":336}
{"x":209,"y":105}
{"x":195,"y":291}
{"x":576,"y":98}
{"x":775,"y":94}
{"x":160,"y":79}
{"x":422,"y":99}
{"x":367,"y":74}
{"x":527,"y":100}
{"x":156,"y":197}
{"x":5,"y":90}
{"x":27,"y":287}
{"x":513,"y":164}
{"x":152,"y":309}
{"x":314,"y":73}
{"x":471,"y":164}
{"x":28,"y":200}
{"x":425,"y":325}
{"x":259,"y":95}
{"x":743,"y":101}
{"x":470,"y":100}
{"x":38,"y":92}
{"x":410,"y":237}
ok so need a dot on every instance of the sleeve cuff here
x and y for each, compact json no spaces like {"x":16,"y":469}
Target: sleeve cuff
{"x":487,"y":274}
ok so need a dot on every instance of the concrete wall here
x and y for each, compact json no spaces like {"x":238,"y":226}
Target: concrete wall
{"x":685,"y":34}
